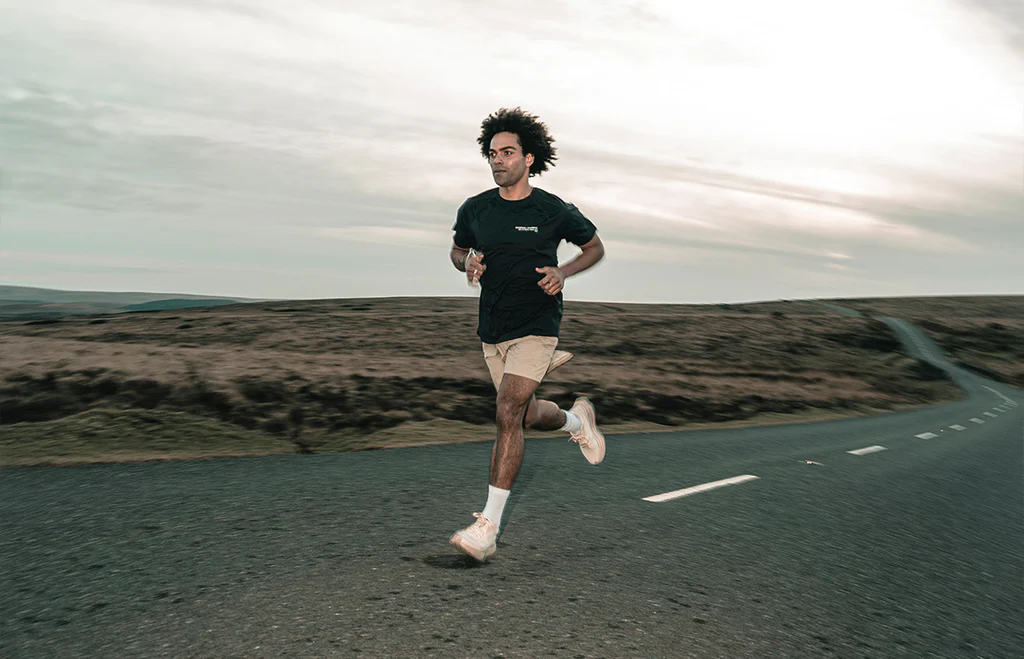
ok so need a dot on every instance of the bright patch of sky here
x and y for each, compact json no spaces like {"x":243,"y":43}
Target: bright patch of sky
{"x":727,"y":151}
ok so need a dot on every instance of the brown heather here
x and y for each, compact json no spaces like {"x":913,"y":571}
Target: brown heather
{"x":327,"y":375}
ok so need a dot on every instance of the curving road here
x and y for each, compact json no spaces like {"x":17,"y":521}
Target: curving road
{"x":892,"y":536}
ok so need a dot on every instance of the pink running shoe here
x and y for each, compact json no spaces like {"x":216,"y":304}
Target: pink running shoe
{"x":479,"y":540}
{"x":589,"y":438}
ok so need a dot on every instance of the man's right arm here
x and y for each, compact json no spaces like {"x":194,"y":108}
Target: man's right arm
{"x":466,"y":259}
{"x":458,"y":256}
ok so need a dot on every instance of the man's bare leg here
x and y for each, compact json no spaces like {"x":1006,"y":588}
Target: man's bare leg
{"x":579,"y":422}
{"x":544,"y":415}
{"x":514,"y":394}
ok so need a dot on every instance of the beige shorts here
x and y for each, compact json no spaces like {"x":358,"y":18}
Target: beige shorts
{"x":529,"y":356}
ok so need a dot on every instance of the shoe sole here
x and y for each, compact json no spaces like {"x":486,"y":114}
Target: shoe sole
{"x":557,"y":359}
{"x":597,"y":433}
{"x":465,"y":548}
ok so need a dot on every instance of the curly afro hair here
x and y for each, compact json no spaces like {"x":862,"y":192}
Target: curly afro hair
{"x":533,"y":136}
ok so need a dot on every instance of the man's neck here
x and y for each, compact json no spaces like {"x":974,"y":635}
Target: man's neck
{"x":517,"y":191}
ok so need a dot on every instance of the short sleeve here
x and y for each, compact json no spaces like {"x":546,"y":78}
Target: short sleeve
{"x":576,"y":228}
{"x":464,"y":237}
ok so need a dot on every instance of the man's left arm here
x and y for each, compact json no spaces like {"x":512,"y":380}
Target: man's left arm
{"x":554,"y":277}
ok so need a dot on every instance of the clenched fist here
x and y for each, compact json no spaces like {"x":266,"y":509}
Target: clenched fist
{"x":553,"y":280}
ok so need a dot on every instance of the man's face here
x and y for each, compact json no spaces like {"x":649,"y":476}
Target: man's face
{"x":508,"y":164}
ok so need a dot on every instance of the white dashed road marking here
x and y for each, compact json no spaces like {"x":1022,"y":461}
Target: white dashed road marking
{"x":977,"y":420}
{"x":866,"y":450}
{"x":658,"y":498}
{"x":957,"y":427}
{"x":990,"y":414}
{"x":926,"y":435}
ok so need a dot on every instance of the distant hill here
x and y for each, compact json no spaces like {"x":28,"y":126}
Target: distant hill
{"x":28,"y":303}
{"x":51,"y":295}
{"x":175,"y":303}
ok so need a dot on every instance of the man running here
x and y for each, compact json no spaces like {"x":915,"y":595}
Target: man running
{"x":507,"y":239}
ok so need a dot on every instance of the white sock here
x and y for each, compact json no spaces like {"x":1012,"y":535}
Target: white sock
{"x":572,"y":423}
{"x":496,"y":498}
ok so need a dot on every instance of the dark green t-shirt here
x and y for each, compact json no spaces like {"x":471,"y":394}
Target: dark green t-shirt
{"x":516,"y":237}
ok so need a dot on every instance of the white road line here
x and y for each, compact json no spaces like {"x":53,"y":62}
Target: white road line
{"x":957,"y":426}
{"x":997,"y":393}
{"x":990,"y":414}
{"x":926,"y":435}
{"x":976,"y":420}
{"x":658,"y":498}
{"x":867,"y":449}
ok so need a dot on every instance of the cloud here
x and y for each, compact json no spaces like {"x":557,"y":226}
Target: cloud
{"x":1007,"y":18}
{"x":79,"y":263}
{"x":732,"y":130}
{"x":387,"y":235}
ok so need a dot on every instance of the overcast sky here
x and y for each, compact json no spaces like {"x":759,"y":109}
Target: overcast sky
{"x":727,"y":151}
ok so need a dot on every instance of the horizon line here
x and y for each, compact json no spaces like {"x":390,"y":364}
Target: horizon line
{"x":247,"y":299}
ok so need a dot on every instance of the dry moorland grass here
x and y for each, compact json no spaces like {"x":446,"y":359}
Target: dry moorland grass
{"x":356,"y":374}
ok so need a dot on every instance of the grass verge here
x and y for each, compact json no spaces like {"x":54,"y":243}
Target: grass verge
{"x":100,"y":435}
{"x":112,"y":436}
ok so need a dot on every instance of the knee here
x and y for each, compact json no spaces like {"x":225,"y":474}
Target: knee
{"x":509,"y":413}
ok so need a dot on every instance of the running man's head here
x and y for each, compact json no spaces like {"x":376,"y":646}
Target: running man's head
{"x":514,"y":141}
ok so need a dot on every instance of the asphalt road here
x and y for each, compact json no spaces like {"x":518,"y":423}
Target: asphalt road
{"x":916,"y":550}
